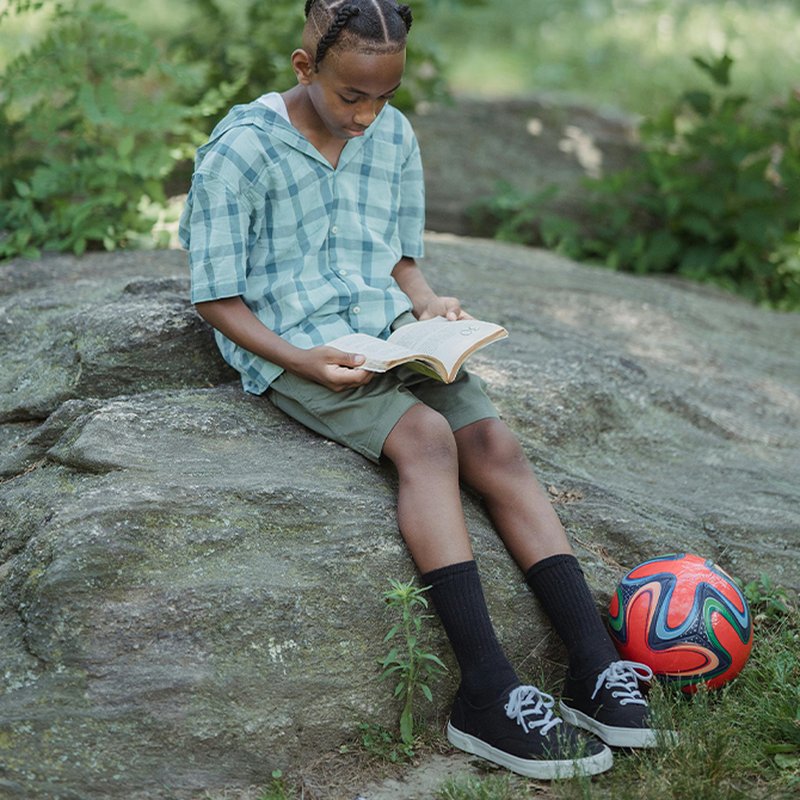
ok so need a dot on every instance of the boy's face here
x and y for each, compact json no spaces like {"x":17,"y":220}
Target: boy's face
{"x":351,"y":88}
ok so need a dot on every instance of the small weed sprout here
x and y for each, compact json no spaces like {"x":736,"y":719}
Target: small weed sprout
{"x":382,"y":744}
{"x":767,"y":601}
{"x":490,"y":787}
{"x":408,"y":661}
{"x":277,"y":790}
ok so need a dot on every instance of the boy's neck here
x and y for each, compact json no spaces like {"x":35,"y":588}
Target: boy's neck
{"x":305,"y":119}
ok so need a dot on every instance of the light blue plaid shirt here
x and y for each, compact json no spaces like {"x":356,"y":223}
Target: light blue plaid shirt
{"x":309,"y":248}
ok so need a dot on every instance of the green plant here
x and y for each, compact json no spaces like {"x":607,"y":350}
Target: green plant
{"x":21,"y":6}
{"x":511,"y":215}
{"x":95,"y":118}
{"x":408,"y":661}
{"x":507,"y":786}
{"x":490,"y":787}
{"x":88,"y":133}
{"x":766,"y":599}
{"x":383,"y":744}
{"x":277,"y":789}
{"x":710,"y":197}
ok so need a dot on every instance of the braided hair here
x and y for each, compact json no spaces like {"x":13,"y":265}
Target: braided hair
{"x":369,"y":26}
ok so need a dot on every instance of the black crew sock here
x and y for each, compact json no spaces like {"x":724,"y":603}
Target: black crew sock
{"x":486,"y":673}
{"x":559,"y":584}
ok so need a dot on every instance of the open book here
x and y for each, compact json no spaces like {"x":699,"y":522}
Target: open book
{"x":437,"y":347}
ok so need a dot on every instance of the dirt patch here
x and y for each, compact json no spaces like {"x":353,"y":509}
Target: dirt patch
{"x":343,"y":779}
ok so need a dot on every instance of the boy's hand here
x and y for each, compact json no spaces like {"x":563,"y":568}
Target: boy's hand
{"x":447,"y":307}
{"x":332,"y":368}
{"x":325,"y":365}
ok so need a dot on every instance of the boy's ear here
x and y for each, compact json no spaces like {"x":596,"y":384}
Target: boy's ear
{"x":303,"y":66}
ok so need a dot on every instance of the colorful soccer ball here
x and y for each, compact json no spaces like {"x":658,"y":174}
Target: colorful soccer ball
{"x":685,"y":618}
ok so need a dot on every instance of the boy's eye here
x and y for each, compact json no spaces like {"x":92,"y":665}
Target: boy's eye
{"x":351,"y":101}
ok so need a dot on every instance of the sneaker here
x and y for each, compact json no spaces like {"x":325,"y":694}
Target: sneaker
{"x":612,"y":707}
{"x":525,"y":736}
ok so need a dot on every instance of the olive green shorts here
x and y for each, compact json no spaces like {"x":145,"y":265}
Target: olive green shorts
{"x":361,"y":418}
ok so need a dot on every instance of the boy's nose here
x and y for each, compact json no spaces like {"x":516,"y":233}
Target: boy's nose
{"x":366,"y":113}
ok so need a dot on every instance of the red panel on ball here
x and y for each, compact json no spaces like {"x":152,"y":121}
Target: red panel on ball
{"x":685,"y":618}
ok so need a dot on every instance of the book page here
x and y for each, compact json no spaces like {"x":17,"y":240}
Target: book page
{"x":442,"y":344}
{"x":448,"y":340}
{"x":379,"y":353}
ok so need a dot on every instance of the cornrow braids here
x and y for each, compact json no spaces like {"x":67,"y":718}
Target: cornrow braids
{"x":343,"y":16}
{"x":405,"y":15}
{"x":370,"y":26}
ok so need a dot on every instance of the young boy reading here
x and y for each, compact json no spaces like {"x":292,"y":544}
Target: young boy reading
{"x":303,"y":224}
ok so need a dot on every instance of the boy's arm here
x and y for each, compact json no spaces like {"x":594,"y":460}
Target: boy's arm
{"x":426,"y":303}
{"x":328,"y":366}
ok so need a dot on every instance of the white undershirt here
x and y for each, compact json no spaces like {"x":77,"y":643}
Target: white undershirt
{"x":275,"y":101}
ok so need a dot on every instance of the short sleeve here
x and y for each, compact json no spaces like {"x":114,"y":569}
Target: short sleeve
{"x":411,"y":221}
{"x":214,"y":229}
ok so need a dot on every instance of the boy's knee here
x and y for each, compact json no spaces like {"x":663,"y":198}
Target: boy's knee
{"x":422,"y":435}
{"x":493,"y":444}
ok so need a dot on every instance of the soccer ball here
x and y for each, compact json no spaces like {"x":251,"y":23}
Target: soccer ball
{"x":685,"y":618}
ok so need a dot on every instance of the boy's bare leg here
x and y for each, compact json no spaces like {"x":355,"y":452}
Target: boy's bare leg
{"x":492,"y":713}
{"x":431,"y":520}
{"x":429,"y":510}
{"x":600,"y":692}
{"x":430,"y":459}
{"x":493,"y":463}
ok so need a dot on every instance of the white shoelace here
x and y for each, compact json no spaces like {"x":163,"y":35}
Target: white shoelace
{"x":623,"y":677}
{"x":527,"y":701}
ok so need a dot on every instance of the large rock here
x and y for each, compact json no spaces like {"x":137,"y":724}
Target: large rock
{"x":65,"y":334}
{"x":474,"y":148}
{"x":191,"y":584}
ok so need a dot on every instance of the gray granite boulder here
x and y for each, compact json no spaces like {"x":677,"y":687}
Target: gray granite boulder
{"x":191,"y":584}
{"x":472,"y":148}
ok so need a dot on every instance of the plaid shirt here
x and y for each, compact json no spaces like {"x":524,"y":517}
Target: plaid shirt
{"x":309,"y":248}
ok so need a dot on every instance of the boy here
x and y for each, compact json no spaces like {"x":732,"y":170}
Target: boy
{"x":303,"y":223}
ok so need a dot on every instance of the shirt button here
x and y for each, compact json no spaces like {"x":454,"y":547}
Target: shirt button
{"x":356,"y":309}
{"x":334,"y":229}
{"x":343,"y":272}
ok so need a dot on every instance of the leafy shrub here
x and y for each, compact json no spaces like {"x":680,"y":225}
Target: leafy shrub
{"x":19,"y":6}
{"x":243,"y":52}
{"x":712,"y":196}
{"x":95,"y":118}
{"x":87,"y":134}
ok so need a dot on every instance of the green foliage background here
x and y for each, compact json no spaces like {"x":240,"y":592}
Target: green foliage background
{"x":629,"y":54}
{"x":99,"y":113}
{"x":88,"y":132}
{"x":712,"y":195}
{"x":102,"y":104}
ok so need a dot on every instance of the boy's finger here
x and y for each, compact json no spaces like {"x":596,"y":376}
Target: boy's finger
{"x":342,"y":359}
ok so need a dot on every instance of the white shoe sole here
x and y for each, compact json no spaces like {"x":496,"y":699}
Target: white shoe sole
{"x":616,"y":737}
{"x":541,"y":769}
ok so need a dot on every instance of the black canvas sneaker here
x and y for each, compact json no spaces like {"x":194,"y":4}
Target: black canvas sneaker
{"x":524,"y":735}
{"x":611,"y":706}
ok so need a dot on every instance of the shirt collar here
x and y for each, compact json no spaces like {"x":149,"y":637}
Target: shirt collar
{"x":271,"y":122}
